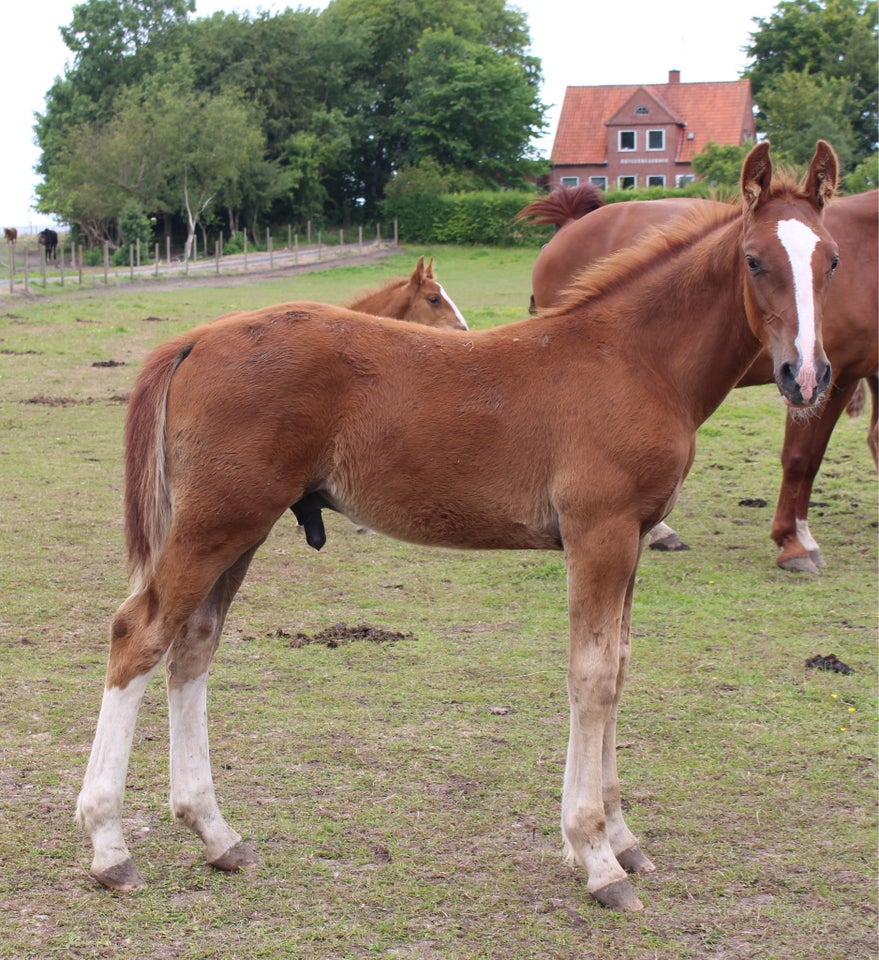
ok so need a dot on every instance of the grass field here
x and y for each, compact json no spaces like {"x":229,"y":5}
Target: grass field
{"x":402,"y":785}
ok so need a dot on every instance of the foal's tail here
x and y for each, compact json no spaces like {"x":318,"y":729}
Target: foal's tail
{"x":147,"y":495}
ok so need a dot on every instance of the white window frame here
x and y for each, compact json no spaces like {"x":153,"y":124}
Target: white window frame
{"x":627,"y":176}
{"x":599,"y":182}
{"x":682,"y":179}
{"x":569,"y":182}
{"x":662,"y":137}
{"x":656,"y":176}
{"x":621,"y":134}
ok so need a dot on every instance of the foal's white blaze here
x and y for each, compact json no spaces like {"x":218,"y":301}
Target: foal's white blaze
{"x":799,"y":242}
{"x":452,"y":304}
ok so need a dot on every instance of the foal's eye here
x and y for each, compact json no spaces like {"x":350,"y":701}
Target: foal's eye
{"x":434,"y":299}
{"x":753,"y":263}
{"x":834,"y":263}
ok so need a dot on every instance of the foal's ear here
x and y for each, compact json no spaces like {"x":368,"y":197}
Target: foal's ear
{"x":756,"y":175}
{"x":823,"y":173}
{"x":429,"y":271}
{"x":417,"y":273}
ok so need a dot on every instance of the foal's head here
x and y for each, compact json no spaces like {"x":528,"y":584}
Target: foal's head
{"x":428,"y":303}
{"x":789,"y":258}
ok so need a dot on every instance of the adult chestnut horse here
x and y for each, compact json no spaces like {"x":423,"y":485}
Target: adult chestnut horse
{"x":10,"y":234}
{"x":570,"y":431}
{"x":418,"y":298}
{"x":850,"y":332}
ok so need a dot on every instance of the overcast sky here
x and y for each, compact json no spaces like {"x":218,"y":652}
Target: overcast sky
{"x":577,"y":42}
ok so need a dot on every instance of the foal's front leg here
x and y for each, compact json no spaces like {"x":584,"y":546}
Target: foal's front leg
{"x":601,"y":567}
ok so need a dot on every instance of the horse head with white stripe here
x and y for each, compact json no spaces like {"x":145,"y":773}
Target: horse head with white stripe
{"x":789,"y":257}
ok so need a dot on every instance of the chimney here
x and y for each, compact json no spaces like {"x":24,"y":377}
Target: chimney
{"x":674,"y":76}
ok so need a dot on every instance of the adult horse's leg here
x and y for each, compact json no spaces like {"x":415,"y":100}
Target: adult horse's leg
{"x":805,"y":441}
{"x":193,"y":801}
{"x":663,"y":537}
{"x":873,"y":429}
{"x":601,"y":564}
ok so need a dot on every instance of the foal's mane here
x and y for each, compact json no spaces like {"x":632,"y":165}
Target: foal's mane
{"x":366,"y":298}
{"x":687,"y":233}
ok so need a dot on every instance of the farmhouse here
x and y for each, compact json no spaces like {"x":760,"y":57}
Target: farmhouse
{"x":617,"y":137}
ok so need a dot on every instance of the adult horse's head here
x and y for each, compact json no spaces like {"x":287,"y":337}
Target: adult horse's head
{"x":789,"y":260}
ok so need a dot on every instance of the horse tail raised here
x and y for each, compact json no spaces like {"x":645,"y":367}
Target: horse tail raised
{"x":562,"y":206}
{"x":147,"y":494}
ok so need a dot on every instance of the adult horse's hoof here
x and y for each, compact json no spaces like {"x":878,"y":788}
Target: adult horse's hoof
{"x":668,"y":543}
{"x":634,"y":861}
{"x":235,"y":858}
{"x":618,"y":896}
{"x":122,"y":877}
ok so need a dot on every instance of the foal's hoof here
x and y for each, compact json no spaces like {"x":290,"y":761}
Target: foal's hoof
{"x":800,"y":564}
{"x":235,"y":858}
{"x":618,"y":896}
{"x":634,"y":861}
{"x":122,"y":877}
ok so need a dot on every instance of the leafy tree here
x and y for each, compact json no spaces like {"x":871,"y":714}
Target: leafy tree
{"x":865,"y":176}
{"x":470,"y":106}
{"x":828,"y":39}
{"x":802,"y":108}
{"x":721,"y":164}
{"x":344,"y":99}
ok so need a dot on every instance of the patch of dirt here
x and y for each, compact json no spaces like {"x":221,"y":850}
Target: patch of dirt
{"x":109,"y":363}
{"x":44,"y":400}
{"x":340,"y":634}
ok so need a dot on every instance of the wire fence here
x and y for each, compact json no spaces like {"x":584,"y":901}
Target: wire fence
{"x":25,"y":262}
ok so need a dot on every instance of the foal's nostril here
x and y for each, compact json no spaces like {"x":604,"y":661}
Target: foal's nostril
{"x":825,"y":374}
{"x":786,"y":374}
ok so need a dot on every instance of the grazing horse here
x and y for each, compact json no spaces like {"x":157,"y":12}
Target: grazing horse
{"x":49,"y":240}
{"x":10,"y":234}
{"x":850,"y":331}
{"x":569,"y":431}
{"x":418,"y":298}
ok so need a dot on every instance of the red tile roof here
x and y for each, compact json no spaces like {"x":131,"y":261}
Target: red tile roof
{"x":720,"y":111}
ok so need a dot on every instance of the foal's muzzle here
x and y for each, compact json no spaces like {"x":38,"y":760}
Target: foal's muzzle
{"x":801,"y":384}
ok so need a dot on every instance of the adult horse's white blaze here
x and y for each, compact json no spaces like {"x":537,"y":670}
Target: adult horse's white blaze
{"x":799,"y":242}
{"x":454,"y":307}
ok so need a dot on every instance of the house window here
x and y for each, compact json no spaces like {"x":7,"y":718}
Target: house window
{"x":569,"y":182}
{"x":626,"y":183}
{"x":682,"y":179}
{"x":626,"y":139}
{"x":656,"y":139}
{"x":599,"y":182}
{"x":656,"y":180}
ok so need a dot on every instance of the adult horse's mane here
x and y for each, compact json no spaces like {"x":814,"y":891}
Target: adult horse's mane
{"x":659,"y":244}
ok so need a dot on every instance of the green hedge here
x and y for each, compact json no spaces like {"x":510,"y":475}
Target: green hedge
{"x":465,"y":218}
{"x":487,"y":217}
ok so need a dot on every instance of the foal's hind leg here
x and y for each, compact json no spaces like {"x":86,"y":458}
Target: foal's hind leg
{"x":193,"y":801}
{"x":623,"y":842}
{"x":141,"y":634}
